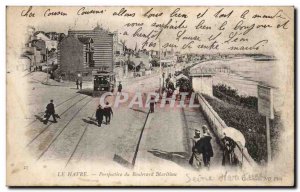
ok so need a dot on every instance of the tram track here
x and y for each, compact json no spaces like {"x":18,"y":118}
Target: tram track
{"x":58,"y":105}
{"x":64,"y":142}
{"x":45,"y":128}
{"x":82,"y":135}
{"x":64,"y":127}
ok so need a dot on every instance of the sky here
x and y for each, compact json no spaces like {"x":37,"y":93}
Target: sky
{"x":209,"y":25}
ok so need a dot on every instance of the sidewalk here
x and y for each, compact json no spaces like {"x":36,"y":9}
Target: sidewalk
{"x":194,"y":118}
{"x":166,"y":142}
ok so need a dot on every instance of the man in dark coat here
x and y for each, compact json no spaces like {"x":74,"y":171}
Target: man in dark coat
{"x":152,"y":104}
{"x":120,"y":87}
{"x":204,"y":146}
{"x":50,"y":111}
{"x":80,"y":84}
{"x":77,"y":83}
{"x":207,"y":151}
{"x":107,"y":112}
{"x":99,"y":115}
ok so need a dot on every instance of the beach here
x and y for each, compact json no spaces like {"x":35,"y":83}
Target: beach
{"x":245,"y":74}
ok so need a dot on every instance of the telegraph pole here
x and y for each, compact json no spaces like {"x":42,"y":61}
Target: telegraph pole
{"x":160,"y":72}
{"x":268,"y":139}
{"x":47,"y":64}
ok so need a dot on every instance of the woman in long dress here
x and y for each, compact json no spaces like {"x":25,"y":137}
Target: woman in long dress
{"x":196,"y":158}
{"x":229,"y":158}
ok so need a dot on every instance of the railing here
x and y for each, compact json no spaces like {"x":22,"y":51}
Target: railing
{"x":214,"y":119}
{"x":218,"y":125}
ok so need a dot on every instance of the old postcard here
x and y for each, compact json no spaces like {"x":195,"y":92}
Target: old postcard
{"x":150,"y":96}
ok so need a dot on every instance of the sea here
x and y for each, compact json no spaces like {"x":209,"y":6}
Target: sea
{"x":245,"y":74}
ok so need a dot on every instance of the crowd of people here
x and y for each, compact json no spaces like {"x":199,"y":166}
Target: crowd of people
{"x":177,"y":86}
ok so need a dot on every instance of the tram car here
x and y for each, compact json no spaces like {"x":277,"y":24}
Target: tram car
{"x":103,"y":82}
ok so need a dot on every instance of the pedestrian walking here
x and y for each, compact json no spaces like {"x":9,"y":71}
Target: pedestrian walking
{"x":50,"y":111}
{"x":77,"y":83}
{"x":152,"y":104}
{"x":80,"y":84}
{"x":108,"y":113}
{"x":229,"y":158}
{"x":79,"y":79}
{"x":51,"y":74}
{"x":195,"y":160}
{"x":120,"y":87}
{"x":99,"y":115}
{"x":207,"y":150}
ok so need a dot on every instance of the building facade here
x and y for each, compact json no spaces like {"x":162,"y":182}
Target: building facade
{"x":50,"y":44}
{"x":202,"y":80}
{"x":103,"y":44}
{"x":75,"y":55}
{"x":35,"y":51}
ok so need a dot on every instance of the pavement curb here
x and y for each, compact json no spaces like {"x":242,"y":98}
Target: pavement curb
{"x":130,"y":162}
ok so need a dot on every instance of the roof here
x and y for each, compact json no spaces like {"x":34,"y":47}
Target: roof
{"x":181,"y":76}
{"x":42,"y":35}
{"x":38,"y":32}
{"x":100,"y":28}
{"x":39,"y":44}
{"x":202,"y":72}
{"x":103,"y":73}
{"x":85,"y":40}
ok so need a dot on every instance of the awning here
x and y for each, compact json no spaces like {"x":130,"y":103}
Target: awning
{"x":181,"y":76}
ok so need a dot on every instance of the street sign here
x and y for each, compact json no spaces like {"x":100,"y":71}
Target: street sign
{"x":265,"y":108}
{"x":265,"y":101}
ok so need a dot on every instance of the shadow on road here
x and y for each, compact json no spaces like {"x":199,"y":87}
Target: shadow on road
{"x":139,"y":110}
{"x":90,"y":121}
{"x":180,"y":158}
{"x":87,"y":91}
{"x":122,"y":161}
{"x":39,"y":118}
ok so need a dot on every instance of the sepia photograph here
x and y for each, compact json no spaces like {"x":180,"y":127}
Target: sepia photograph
{"x":194,"y":96}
